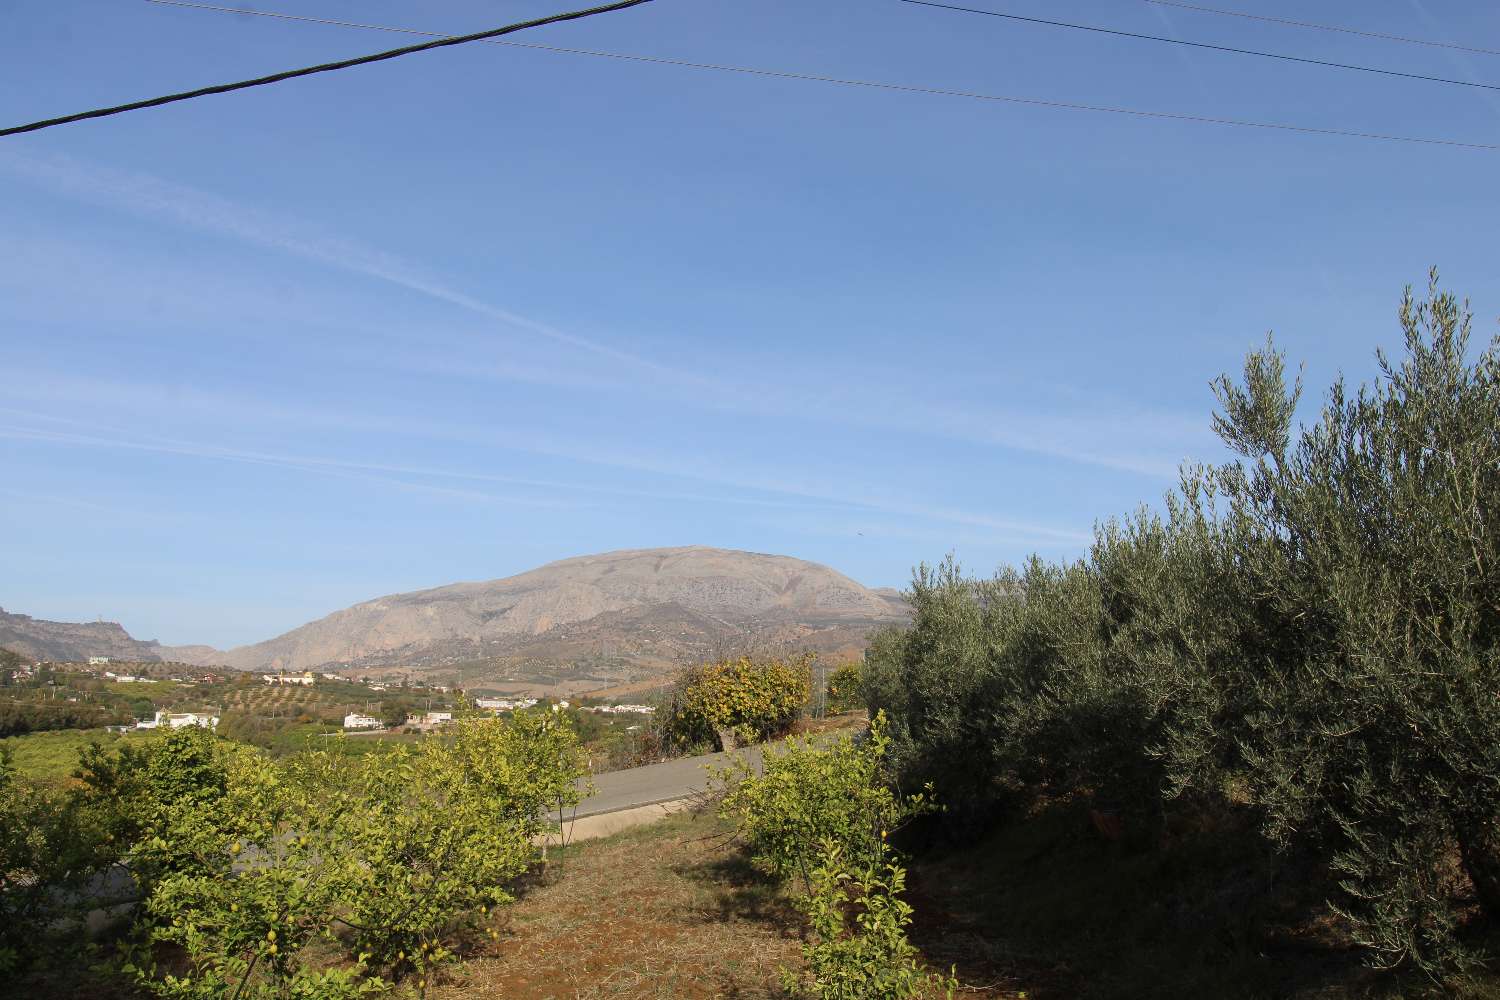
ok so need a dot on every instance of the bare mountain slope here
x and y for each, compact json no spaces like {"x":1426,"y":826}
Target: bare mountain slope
{"x":646,"y":605}
{"x":38,"y":639}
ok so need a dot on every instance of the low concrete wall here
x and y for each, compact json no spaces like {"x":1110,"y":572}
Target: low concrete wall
{"x":604,"y":824}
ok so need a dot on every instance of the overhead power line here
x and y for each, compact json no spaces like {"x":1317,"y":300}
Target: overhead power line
{"x":1324,"y":27}
{"x":873,"y":84}
{"x":1203,"y":45}
{"x":290,"y":74}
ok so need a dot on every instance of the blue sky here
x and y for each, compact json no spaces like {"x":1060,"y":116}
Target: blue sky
{"x":463,"y":313}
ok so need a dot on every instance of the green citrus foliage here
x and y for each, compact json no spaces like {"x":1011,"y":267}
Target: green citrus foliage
{"x":857,"y":948}
{"x":846,"y":687}
{"x":755,"y":698}
{"x":43,"y":856}
{"x":823,"y":814}
{"x":322,"y":876}
{"x":1309,"y":633}
{"x":811,"y":794}
{"x":435,"y":832}
{"x":173,"y":805}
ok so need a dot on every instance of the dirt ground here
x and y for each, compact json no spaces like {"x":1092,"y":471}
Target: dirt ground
{"x":666,"y":910}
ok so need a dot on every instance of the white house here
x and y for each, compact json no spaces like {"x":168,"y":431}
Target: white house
{"x":305,"y":679}
{"x":505,"y":704}
{"x":98,"y":661}
{"x":177,"y":720}
{"x":354,"y":720}
{"x":433,"y":718}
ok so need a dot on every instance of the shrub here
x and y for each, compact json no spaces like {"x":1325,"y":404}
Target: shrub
{"x":857,"y":947}
{"x":433,"y":834}
{"x":825,"y":813}
{"x":809,"y":795}
{"x":752,"y":699}
{"x":47,"y":851}
{"x":846,"y":687}
{"x":246,"y":862}
{"x":244,"y":925}
{"x":171,"y":804}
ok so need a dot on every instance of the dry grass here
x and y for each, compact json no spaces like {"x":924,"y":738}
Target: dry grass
{"x":672,"y":909}
{"x":667,"y":910}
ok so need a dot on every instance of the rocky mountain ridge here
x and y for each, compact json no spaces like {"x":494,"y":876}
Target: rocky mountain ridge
{"x":38,"y":639}
{"x":621,"y":614}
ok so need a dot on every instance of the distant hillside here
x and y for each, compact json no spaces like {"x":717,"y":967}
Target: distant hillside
{"x":37,"y":639}
{"x":625,"y":613}
{"x":590,"y":622}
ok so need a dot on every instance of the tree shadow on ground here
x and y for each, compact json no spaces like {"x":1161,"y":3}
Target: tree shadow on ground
{"x":1050,"y":905}
{"x":742,"y":892}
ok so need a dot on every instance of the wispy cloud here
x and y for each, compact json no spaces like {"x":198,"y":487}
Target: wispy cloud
{"x":1124,"y":439}
{"x":145,"y":194}
{"x":104,"y":437}
{"x":747,"y":489}
{"x":348,"y":470}
{"x":51,"y":500}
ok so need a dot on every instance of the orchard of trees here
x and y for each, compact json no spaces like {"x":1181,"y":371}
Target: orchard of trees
{"x":321,"y":875}
{"x":1307,"y":637}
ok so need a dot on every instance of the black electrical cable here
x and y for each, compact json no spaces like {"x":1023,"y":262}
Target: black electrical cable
{"x":290,"y":74}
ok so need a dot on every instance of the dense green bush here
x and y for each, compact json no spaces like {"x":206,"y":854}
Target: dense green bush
{"x":434,"y":833}
{"x":1314,"y":626}
{"x":172,"y":804}
{"x":750,"y":699}
{"x":254,"y":873}
{"x":857,"y":946}
{"x":810,"y":794}
{"x":846,"y":686}
{"x":46,"y":855}
{"x":822,"y":814}
{"x":245,"y":910}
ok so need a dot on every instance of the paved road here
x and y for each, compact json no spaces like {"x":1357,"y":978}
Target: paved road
{"x":640,"y":786}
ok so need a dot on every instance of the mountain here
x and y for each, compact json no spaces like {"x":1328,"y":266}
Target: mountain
{"x":619,"y":614}
{"x":37,"y":639}
{"x":586,"y":623}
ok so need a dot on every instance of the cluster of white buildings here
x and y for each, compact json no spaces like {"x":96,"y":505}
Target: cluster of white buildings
{"x":307,"y":679}
{"x":625,"y":709}
{"x":426,"y":720}
{"x":178,"y":720}
{"x":505,"y":704}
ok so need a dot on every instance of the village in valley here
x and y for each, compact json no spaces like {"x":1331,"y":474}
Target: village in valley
{"x":283,"y":711}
